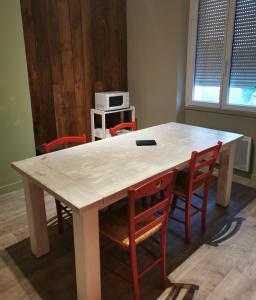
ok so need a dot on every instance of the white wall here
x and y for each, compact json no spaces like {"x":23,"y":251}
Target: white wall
{"x":156,"y":47}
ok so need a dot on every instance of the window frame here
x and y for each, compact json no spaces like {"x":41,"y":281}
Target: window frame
{"x":226,"y":67}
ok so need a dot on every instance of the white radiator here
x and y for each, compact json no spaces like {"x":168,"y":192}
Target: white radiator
{"x":243,"y":154}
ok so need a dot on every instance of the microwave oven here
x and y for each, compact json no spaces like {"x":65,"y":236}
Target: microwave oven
{"x":111,"y":100}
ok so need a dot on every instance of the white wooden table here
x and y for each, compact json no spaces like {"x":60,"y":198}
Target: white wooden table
{"x":92,"y":176}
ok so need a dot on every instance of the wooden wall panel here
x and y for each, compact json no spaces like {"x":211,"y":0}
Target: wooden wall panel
{"x":86,"y":17}
{"x":73,"y":47}
{"x":109,"y":44}
{"x":109,"y":48}
{"x":81,"y":94}
{"x":39,"y":70}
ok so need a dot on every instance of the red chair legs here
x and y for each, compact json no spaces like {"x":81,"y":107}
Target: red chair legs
{"x":163,"y":260}
{"x":174,"y":202}
{"x":188,"y":214}
{"x":204,"y":210}
{"x":195,"y":178}
{"x":134,"y":266}
{"x":59,"y":216}
{"x":135,"y":274}
{"x":188,"y":221}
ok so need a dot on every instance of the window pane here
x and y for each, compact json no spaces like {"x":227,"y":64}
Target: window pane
{"x":209,"y":50}
{"x":242,"y":86}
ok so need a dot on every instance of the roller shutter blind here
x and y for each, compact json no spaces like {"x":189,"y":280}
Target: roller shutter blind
{"x":243,"y":66}
{"x":212,"y":17}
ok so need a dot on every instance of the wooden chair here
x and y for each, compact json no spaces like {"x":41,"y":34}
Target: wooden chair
{"x":127,"y":227}
{"x":189,"y":182}
{"x":126,"y":125}
{"x":114,"y":131}
{"x":52,"y":146}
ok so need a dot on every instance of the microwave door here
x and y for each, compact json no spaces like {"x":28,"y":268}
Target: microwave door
{"x":116,"y":101}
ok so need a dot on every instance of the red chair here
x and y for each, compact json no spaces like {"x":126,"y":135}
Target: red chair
{"x":64,"y":141}
{"x":53,"y":145}
{"x":127,"y":125}
{"x":127,"y":227}
{"x":189,"y":182}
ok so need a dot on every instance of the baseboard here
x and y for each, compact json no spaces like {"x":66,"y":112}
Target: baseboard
{"x":10,"y":187}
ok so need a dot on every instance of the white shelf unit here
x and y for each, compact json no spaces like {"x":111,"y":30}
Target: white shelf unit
{"x":103,"y":132}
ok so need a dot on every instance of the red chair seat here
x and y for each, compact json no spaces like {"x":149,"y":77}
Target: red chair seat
{"x":115,"y":225}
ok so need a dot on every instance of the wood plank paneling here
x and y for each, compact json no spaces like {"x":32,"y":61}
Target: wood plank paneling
{"x":51,"y":18}
{"x":88,"y":63}
{"x":39,"y":73}
{"x":77,"y":46}
{"x":109,"y":44}
{"x":109,"y":48}
{"x":73,"y":48}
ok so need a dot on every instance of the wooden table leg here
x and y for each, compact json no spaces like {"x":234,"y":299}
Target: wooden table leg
{"x":87,"y":255}
{"x":225,"y":175}
{"x":34,"y":198}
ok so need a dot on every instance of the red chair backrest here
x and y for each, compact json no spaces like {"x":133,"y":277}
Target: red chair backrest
{"x":152,"y":188}
{"x":201,"y":166}
{"x":131,"y":125}
{"x":63,"y":141}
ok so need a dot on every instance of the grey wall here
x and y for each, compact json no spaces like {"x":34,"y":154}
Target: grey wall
{"x":16,"y":131}
{"x":156,"y":38}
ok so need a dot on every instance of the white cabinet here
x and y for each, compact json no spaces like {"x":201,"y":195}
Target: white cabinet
{"x":103,"y":132}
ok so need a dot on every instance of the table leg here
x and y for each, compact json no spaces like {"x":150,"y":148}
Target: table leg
{"x":92,"y":126}
{"x":87,"y":255}
{"x":103,"y":125}
{"x":225,"y":175}
{"x":122,"y":116}
{"x":34,"y":198}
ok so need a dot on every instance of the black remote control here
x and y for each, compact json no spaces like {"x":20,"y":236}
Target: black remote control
{"x":145,"y":142}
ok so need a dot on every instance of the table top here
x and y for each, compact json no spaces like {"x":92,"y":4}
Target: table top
{"x":88,"y":174}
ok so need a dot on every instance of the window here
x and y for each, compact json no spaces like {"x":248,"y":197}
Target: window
{"x":221,"y":66}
